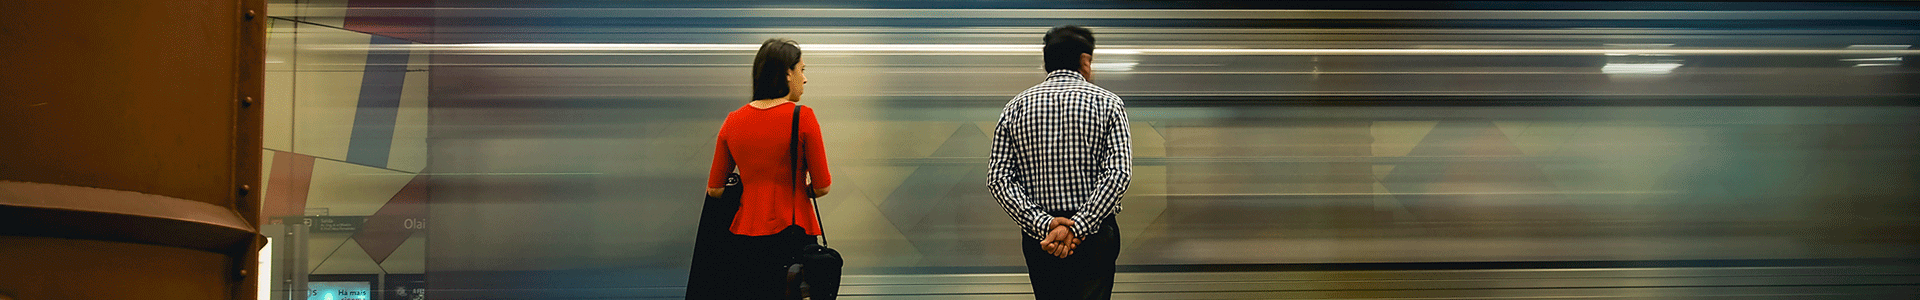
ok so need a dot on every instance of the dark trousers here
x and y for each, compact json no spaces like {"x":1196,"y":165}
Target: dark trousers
{"x":760,"y":263}
{"x":1087,"y":274}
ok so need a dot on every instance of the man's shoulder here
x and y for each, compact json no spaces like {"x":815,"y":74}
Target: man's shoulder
{"x":1077,"y":89}
{"x":1098,"y":94}
{"x":1036,"y":91}
{"x":1104,"y":94}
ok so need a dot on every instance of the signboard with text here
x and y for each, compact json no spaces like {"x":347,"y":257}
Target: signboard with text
{"x":329,"y":223}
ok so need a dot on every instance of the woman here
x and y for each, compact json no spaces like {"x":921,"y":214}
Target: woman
{"x":776,"y":216}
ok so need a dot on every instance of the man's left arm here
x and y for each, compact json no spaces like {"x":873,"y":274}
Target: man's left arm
{"x":1116,"y":172}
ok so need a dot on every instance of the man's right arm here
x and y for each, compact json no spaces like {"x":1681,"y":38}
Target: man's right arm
{"x":1004,"y":183}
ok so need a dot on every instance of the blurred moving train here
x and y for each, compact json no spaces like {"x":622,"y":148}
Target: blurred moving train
{"x":1573,"y":146}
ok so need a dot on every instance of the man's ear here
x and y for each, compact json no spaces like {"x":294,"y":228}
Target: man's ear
{"x":1086,"y":66}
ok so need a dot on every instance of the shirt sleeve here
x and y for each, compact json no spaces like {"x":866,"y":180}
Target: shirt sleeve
{"x":815,"y":149}
{"x":1004,"y":184}
{"x":1116,"y":172}
{"x":722,"y":163}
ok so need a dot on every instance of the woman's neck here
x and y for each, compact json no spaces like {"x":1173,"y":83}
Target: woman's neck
{"x":768,"y":103}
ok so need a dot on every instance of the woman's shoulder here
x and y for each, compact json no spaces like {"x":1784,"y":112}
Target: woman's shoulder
{"x":734,"y":117}
{"x":741,"y":111}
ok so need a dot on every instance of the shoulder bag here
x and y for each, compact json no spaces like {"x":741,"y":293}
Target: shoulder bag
{"x":815,"y":273}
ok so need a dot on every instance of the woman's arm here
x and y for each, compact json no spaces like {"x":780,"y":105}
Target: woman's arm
{"x":722,"y":164}
{"x":816,"y":153}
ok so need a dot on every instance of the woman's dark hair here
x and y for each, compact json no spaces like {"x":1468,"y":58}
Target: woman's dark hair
{"x":777,"y":55}
{"x":1064,"y":46}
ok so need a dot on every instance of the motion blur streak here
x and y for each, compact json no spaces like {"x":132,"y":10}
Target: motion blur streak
{"x":1355,"y":149}
{"x":588,"y":49}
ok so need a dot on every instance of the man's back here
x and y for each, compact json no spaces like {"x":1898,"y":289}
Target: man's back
{"x":1063,"y":146}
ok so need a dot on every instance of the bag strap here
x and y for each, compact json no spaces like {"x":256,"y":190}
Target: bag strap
{"x":794,"y":151}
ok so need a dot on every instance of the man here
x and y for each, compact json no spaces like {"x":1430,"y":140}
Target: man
{"x":1061,"y":159}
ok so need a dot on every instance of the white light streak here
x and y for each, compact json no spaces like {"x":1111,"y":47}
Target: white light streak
{"x":1114,"y":67}
{"x":1653,"y":68}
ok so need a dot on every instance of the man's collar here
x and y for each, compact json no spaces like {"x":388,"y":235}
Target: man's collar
{"x":1066,"y":73}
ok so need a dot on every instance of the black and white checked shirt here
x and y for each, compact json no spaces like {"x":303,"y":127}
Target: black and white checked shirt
{"x":1061,"y":146}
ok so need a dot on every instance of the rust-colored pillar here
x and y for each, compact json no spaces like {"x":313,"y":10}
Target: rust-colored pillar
{"x":130,"y":148}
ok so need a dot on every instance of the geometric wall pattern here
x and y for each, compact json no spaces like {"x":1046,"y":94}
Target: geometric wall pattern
{"x":345,"y":133}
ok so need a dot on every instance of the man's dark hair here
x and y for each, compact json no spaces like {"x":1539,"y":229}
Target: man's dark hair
{"x":777,"y":55}
{"x":1064,"y":46}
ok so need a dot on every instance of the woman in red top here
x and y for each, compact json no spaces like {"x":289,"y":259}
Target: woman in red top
{"x":775,"y":212}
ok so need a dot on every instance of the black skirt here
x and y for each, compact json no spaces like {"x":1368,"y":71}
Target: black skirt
{"x":731,"y":266}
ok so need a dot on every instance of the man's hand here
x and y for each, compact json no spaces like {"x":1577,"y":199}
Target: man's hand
{"x":1059,"y":240}
{"x":715,"y":192}
{"x":1059,"y":222}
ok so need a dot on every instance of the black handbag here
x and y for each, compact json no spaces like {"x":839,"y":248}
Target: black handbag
{"x":815,"y":272}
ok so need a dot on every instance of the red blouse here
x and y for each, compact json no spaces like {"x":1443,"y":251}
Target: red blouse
{"x":756,"y":140}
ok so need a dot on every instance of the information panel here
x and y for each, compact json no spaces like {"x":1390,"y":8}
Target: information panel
{"x":339,"y":290}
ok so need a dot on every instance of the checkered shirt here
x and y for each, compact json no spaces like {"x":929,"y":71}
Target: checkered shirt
{"x":1062,"y":147}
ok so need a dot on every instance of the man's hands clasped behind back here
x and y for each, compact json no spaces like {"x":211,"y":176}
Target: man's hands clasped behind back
{"x":1059,"y":240}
